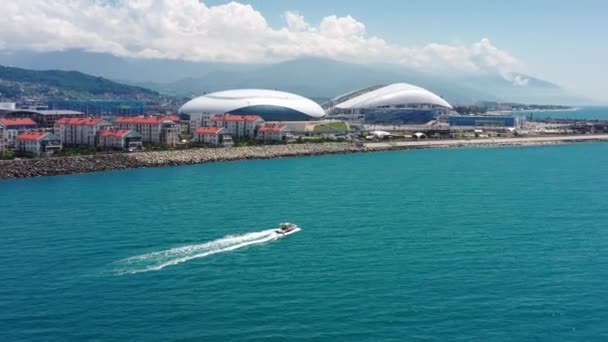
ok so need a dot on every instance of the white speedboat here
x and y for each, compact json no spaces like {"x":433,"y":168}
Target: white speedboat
{"x":287,"y":228}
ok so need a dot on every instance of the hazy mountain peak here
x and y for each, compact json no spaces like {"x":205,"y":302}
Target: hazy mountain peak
{"x":310,"y":76}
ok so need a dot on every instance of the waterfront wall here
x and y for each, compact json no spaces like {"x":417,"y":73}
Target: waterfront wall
{"x":106,"y":162}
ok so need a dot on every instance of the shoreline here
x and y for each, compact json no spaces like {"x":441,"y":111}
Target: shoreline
{"x":56,"y":166}
{"x":530,"y":111}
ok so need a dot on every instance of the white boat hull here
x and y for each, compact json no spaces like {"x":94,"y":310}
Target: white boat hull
{"x":293,"y":231}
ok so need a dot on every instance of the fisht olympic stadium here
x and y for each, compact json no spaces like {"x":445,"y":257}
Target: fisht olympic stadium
{"x":270,"y":105}
{"x":398,"y":103}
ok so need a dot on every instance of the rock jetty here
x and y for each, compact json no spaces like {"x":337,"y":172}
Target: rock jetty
{"x":118,"y":161}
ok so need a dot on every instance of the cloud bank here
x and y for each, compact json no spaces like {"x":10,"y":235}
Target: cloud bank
{"x":234,"y":32}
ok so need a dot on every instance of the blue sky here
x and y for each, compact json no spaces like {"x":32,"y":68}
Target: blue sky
{"x":559,"y":41}
{"x":562,"y":41}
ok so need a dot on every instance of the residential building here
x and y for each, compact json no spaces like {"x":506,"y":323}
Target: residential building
{"x":238,"y":126}
{"x":14,"y":126}
{"x":120,"y":139}
{"x":156,"y":130}
{"x":44,"y":117}
{"x":274,"y":133}
{"x":37,"y":144}
{"x":209,"y":135}
{"x":80,"y":131}
{"x":200,"y":120}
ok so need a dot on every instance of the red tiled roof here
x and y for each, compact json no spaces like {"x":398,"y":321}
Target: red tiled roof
{"x":208,"y":130}
{"x":79,"y":121}
{"x":272,"y":128}
{"x":251,"y":118}
{"x":231,"y":117}
{"x":219,"y":118}
{"x":8,"y":122}
{"x":173,"y":118}
{"x":31,"y":136}
{"x":141,"y":120}
{"x":114,"y":133}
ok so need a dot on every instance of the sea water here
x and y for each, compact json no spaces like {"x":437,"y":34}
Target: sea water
{"x":581,"y":113}
{"x":501,"y":244}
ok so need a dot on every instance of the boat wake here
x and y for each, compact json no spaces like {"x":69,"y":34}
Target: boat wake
{"x":158,"y":260}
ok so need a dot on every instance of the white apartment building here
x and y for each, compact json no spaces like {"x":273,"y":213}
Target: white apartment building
{"x":38,"y":144}
{"x":274,"y":133}
{"x":209,"y":135}
{"x":155,"y":130}
{"x":200,"y":120}
{"x":238,"y":126}
{"x":120,"y":139}
{"x":13,"y":127}
{"x":80,"y":131}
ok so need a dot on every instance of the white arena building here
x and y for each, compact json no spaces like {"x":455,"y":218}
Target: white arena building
{"x":271,"y":105}
{"x":394,"y":103}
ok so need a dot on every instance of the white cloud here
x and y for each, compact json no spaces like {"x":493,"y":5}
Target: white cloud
{"x":520,"y":81}
{"x":234,"y":32}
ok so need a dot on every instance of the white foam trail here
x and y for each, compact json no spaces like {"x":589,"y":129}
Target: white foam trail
{"x":158,"y":260}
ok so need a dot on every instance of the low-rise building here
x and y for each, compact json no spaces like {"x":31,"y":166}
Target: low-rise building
{"x":120,"y":139}
{"x":80,"y":131}
{"x":45,"y":118}
{"x":238,"y":126}
{"x":37,"y":144}
{"x":199,"y":120}
{"x":156,"y":130}
{"x":274,"y":133}
{"x":209,"y":135}
{"x":13,"y":127}
{"x":483,"y":120}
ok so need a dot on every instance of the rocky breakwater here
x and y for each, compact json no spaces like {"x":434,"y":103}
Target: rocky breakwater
{"x":105,"y":162}
{"x":65,"y":165}
{"x":198,"y":156}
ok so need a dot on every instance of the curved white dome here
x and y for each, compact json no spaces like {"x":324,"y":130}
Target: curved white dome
{"x":255,"y":99}
{"x":390,"y":95}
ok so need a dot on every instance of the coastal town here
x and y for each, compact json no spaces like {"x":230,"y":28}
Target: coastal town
{"x":250,"y":123}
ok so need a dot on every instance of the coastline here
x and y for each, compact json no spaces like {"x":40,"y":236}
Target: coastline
{"x":26,"y":168}
{"x":529,"y":111}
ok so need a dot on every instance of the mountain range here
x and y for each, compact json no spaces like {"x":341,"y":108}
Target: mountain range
{"x":317,"y":78}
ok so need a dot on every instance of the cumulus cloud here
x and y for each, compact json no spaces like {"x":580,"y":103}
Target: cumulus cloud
{"x":233,"y":32}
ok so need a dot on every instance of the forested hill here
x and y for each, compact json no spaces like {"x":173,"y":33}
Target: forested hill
{"x":17,"y":83}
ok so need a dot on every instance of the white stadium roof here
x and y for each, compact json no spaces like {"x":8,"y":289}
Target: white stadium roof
{"x":231,"y":100}
{"x":389,"y":95}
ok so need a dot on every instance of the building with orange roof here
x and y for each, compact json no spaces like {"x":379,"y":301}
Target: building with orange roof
{"x":37,"y":144}
{"x":156,"y":130}
{"x":80,"y":131}
{"x":45,"y":117}
{"x":238,"y":126}
{"x":14,"y":126}
{"x":274,"y":132}
{"x":213,"y":136}
{"x":120,"y":139}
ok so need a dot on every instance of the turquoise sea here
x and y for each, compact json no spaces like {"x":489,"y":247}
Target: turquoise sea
{"x":503,"y":244}
{"x":582,"y":113}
